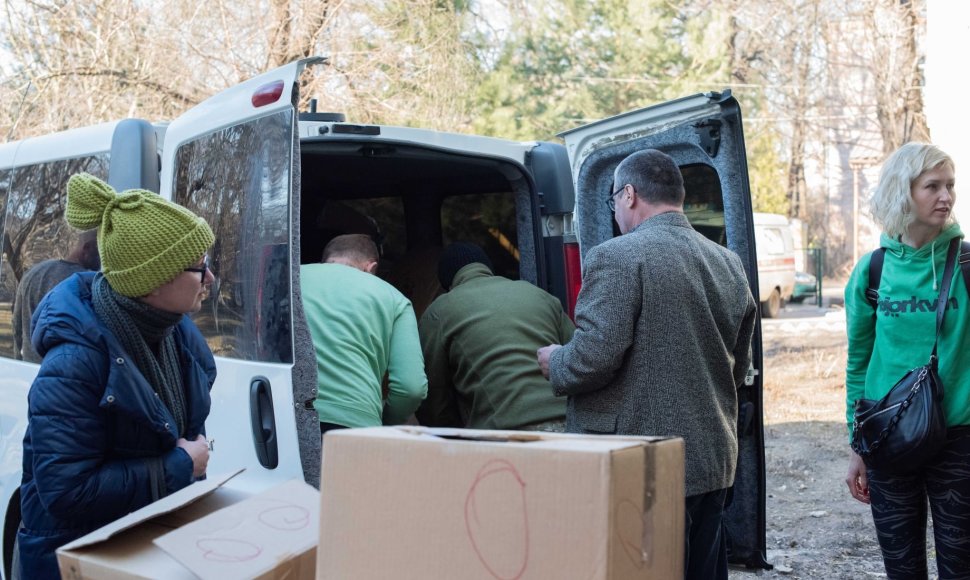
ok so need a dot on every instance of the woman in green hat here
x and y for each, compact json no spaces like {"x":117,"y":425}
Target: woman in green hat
{"x":116,"y":415}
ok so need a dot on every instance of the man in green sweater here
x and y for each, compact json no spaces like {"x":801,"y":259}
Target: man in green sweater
{"x":362,"y":329}
{"x":479,"y":342}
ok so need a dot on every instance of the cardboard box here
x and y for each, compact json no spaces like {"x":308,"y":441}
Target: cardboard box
{"x":411,"y":502}
{"x":205,"y":531}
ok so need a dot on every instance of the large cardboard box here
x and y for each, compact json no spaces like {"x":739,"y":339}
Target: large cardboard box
{"x":205,"y":531}
{"x":411,"y":502}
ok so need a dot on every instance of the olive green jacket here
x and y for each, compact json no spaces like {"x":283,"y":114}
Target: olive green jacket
{"x":479,"y":342}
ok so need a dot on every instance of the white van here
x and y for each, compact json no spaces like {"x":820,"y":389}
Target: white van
{"x":776,"y":262}
{"x":276,"y":184}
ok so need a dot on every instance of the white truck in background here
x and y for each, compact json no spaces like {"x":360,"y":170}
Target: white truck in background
{"x":776,"y":261}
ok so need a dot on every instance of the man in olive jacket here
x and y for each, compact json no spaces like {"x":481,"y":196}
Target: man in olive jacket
{"x":479,"y":342}
{"x":664,"y":325}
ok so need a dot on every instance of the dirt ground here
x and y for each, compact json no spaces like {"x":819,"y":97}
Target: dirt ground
{"x":814,"y":527}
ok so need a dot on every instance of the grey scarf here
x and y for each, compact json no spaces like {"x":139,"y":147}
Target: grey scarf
{"x":145,"y":332}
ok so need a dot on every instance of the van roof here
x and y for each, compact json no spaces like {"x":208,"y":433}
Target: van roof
{"x":69,"y":144}
{"x":324,"y":132}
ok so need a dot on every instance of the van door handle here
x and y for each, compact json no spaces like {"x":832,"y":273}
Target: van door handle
{"x":264,"y":422}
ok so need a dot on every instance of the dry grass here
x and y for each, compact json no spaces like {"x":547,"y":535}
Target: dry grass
{"x":814,"y":529}
{"x":804,"y":377}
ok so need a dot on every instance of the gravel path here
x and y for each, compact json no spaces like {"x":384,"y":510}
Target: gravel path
{"x":815,"y":528}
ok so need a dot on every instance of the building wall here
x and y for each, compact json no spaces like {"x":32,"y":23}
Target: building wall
{"x":947,"y":47}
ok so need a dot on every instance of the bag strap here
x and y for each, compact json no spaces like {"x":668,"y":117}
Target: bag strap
{"x":875,"y":274}
{"x":964,"y":261}
{"x":951,"y":258}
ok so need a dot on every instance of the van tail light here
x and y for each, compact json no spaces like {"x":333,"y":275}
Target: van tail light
{"x":267,"y":94}
{"x":574,"y":276}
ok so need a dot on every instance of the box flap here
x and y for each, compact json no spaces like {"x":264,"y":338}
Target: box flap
{"x":251,"y":537}
{"x":129,"y":555}
{"x":647,"y":515}
{"x":177,"y":500}
{"x":560,"y":441}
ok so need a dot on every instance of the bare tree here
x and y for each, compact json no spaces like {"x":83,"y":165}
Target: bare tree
{"x":894,"y":58}
{"x":776,"y":47}
{"x":89,"y":62}
{"x":827,"y":82}
{"x":399,"y":61}
{"x":841,"y":85}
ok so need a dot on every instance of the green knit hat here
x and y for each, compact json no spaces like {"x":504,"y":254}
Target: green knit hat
{"x":144,"y":241}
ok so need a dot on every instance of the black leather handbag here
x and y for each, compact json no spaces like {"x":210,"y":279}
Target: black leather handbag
{"x":904,"y":429}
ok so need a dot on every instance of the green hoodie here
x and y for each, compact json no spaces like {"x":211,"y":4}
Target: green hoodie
{"x":888,"y":341}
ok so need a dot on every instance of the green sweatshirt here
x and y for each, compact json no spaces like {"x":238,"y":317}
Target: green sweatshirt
{"x":888,"y":341}
{"x":479,"y":342}
{"x":361,"y":327}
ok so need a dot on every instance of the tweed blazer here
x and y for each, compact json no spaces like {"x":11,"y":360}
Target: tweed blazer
{"x":664,"y":323}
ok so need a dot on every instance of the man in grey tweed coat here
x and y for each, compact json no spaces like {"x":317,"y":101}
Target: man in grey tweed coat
{"x":664,"y":323}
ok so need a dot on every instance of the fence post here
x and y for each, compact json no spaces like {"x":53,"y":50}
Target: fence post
{"x":818,"y":257}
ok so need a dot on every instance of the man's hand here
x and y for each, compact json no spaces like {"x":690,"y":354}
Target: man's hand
{"x":857,"y":480}
{"x":543,"y":354}
{"x":198,"y":451}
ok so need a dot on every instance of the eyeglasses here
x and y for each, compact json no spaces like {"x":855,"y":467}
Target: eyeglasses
{"x":611,"y":200}
{"x":201,"y":269}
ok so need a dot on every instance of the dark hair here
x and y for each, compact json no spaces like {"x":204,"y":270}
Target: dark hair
{"x":354,"y":247}
{"x":654,"y":175}
{"x":455,"y":257}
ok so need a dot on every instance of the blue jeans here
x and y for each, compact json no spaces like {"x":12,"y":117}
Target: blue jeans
{"x":899,"y":512}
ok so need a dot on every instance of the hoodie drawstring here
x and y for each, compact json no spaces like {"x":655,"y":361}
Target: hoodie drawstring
{"x":933,"y":261}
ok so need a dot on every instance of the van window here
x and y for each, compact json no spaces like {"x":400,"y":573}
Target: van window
{"x":489,"y":221}
{"x":6,"y":298}
{"x":238,"y":179}
{"x":411,"y":230}
{"x":34,"y":229}
{"x":5,"y":177}
{"x":381,"y":218}
{"x":415,"y":201}
{"x":770,"y":240}
{"x":703,"y":202}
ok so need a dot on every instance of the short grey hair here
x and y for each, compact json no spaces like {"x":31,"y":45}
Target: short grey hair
{"x":654,"y":175}
{"x":890,"y":203}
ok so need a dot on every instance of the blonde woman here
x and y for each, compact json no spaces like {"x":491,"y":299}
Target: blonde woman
{"x":913,"y":203}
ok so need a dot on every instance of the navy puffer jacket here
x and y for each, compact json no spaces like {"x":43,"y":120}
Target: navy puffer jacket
{"x":99,"y":439}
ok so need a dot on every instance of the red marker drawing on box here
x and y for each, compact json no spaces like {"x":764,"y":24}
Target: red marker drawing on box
{"x":497,"y":521}
{"x":218,"y":550}
{"x":286,"y":517}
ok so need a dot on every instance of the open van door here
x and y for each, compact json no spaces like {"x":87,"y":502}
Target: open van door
{"x":234,"y":160}
{"x":704,"y":136}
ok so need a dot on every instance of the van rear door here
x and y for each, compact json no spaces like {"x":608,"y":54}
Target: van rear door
{"x":703,"y":134}
{"x":231,"y":160}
